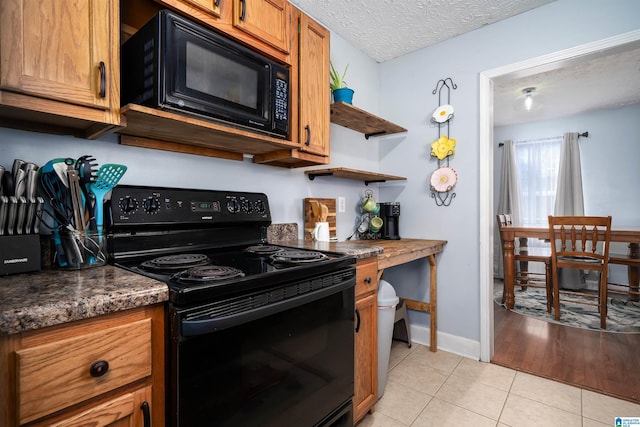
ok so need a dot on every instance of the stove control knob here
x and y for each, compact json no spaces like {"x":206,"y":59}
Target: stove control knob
{"x":151,"y":205}
{"x":246,"y":206}
{"x":128,"y":205}
{"x":233,"y":206}
{"x":260,"y":207}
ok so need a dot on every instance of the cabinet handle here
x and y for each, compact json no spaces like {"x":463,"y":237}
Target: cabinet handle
{"x":308,"y":131}
{"x":367,"y":280}
{"x":103,"y":80}
{"x":243,"y":4}
{"x":217,"y":3}
{"x":99,"y":368}
{"x":357,"y":320}
{"x":146,"y":414}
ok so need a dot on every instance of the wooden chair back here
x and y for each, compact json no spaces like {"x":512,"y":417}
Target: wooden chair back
{"x":581,"y":242}
{"x":522,"y":256}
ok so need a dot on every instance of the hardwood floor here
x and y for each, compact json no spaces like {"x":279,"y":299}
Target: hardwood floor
{"x":604,"y":362}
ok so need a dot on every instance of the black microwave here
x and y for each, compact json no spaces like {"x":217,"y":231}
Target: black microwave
{"x":172,"y":63}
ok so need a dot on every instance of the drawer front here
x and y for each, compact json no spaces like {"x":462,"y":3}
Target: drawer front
{"x":54,"y":376}
{"x":366,"y":276}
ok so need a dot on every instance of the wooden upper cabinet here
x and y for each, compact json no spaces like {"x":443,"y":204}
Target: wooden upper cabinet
{"x":313,"y":87}
{"x":211,"y":6}
{"x":64,"y":51}
{"x":266,"y":20}
{"x":264,"y":25}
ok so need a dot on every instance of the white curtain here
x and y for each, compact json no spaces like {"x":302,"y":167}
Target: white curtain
{"x":508,"y":202}
{"x":537,"y":163}
{"x":569,"y":195}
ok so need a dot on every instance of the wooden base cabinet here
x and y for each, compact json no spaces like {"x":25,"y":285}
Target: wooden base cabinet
{"x":366,"y":339}
{"x":105,"y":371}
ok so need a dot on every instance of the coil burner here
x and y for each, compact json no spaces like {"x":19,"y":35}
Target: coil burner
{"x":207,"y":273}
{"x":175,"y":262}
{"x":262,"y":249}
{"x":293,"y":256}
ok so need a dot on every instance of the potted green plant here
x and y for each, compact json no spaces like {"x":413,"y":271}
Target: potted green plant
{"x":339,"y":89}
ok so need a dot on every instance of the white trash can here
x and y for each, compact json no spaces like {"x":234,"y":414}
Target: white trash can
{"x":387,"y":301}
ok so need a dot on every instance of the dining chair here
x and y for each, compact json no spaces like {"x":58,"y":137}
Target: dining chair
{"x":581,"y":242}
{"x":523,"y":255}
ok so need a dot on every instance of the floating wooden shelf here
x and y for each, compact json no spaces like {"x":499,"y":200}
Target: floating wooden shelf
{"x":365,"y":176}
{"x":172,"y":129}
{"x":361,"y":121}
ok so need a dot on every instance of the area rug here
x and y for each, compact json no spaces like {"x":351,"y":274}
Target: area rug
{"x":622,"y":315}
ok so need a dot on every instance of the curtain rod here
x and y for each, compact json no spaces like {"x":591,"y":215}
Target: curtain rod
{"x":583,"y":134}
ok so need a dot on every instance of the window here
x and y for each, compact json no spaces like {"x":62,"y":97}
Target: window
{"x":537,"y":169}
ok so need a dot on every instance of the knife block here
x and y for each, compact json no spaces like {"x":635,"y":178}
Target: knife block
{"x":19,"y":253}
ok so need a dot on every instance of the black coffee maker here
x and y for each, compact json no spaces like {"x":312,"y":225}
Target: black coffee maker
{"x":390,"y":214}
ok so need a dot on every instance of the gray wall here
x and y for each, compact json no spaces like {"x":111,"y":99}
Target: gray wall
{"x":406,"y":86}
{"x":609,"y":156}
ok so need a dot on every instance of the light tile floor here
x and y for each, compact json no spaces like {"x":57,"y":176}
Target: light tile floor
{"x":443,"y":389}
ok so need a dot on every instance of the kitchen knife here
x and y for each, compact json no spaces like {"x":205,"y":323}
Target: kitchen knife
{"x":19,"y":183}
{"x":4,"y":205}
{"x":30,"y":216}
{"x":11,"y":215}
{"x":39,"y":209}
{"x":22,"y":211}
{"x":17,"y":165}
{"x":32,"y":183}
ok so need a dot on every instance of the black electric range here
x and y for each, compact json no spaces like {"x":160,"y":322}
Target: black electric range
{"x":257,"y":334}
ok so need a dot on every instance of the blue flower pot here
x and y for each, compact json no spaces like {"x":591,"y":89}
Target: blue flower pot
{"x":343,"y":95}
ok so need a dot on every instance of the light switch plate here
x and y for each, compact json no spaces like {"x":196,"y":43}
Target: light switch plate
{"x":341,"y":204}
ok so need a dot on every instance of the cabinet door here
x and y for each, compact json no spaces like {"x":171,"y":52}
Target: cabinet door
{"x":314,"y":87}
{"x":266,"y":20}
{"x":125,"y":411}
{"x":61,"y":50}
{"x":211,"y":6}
{"x":366,"y":356}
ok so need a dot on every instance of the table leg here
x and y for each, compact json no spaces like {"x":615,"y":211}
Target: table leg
{"x":508,"y":298}
{"x":430,"y":307}
{"x":433,"y":302}
{"x":633,"y":272}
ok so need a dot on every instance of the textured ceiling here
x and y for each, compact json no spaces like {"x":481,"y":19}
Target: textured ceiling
{"x":607,"y":79}
{"x":386,"y":29}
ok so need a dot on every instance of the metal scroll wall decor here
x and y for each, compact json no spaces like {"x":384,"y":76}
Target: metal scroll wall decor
{"x":444,"y":178}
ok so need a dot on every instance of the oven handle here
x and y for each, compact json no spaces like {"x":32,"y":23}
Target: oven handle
{"x":191,"y":328}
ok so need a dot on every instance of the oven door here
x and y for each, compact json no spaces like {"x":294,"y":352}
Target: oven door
{"x":286,"y":363}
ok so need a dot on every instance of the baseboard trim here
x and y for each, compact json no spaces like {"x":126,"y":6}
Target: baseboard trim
{"x":447,"y":342}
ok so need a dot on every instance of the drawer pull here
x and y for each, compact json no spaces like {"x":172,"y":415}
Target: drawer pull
{"x":99,"y":368}
{"x":146,"y":413}
{"x":367,"y":280}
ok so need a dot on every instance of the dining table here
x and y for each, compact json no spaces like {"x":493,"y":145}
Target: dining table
{"x":629,"y":234}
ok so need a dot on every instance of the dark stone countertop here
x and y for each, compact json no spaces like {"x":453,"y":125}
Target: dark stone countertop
{"x":52,"y":297}
{"x":350,"y":248}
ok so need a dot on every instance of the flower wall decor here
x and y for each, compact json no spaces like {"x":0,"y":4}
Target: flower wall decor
{"x":443,"y":147}
{"x":444,"y":178}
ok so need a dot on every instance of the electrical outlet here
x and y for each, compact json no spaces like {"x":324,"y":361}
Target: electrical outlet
{"x":341,"y":204}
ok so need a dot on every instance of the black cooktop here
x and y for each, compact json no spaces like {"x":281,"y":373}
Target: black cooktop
{"x":200,"y":276}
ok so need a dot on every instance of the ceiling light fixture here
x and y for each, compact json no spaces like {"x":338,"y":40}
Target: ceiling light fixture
{"x":529,"y":100}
